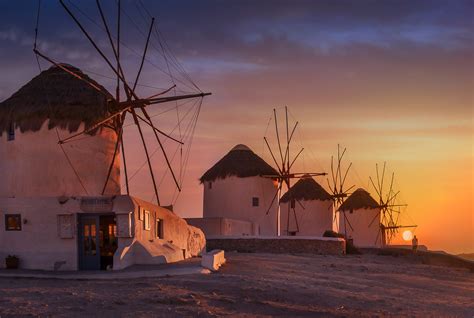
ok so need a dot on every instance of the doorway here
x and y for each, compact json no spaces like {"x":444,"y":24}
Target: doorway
{"x":97,"y":236}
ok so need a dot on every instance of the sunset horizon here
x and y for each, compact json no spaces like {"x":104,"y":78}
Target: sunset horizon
{"x":214,"y":120}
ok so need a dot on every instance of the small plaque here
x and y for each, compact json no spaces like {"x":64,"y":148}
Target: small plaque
{"x":66,"y":226}
{"x":97,"y":204}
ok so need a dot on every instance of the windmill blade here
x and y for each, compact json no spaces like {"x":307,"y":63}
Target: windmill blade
{"x":349,"y":189}
{"x":274,"y":198}
{"x":392,"y":197}
{"x":296,"y":220}
{"x":296,"y":157}
{"x":156,"y":130}
{"x":163,"y":92}
{"x":137,"y":123}
{"x":95,"y":46}
{"x":373,"y":184}
{"x":117,"y":144}
{"x":339,"y":166}
{"x":65,"y":69}
{"x":115,"y":51}
{"x":391,"y":187}
{"x":377,"y":237}
{"x":124,"y":165}
{"x":375,"y":217}
{"x":301,"y":204}
{"x":383,"y":176}
{"x":94,"y":126}
{"x":332,"y":174}
{"x":347,"y":220}
{"x":143,"y":56}
{"x":287,"y":151}
{"x":278,"y":138}
{"x":345,"y":176}
{"x":162,"y":150}
{"x":273,"y":156}
{"x":330,"y":188}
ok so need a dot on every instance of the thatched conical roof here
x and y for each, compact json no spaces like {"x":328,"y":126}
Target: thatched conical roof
{"x":58,"y":96}
{"x":359,"y":199}
{"x":241,"y":162}
{"x":306,"y":189}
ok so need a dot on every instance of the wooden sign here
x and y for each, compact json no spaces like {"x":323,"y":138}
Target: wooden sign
{"x":97,"y":204}
{"x":66,"y":226}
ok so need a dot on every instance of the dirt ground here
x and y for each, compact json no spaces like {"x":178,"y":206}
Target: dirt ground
{"x":259,"y":285}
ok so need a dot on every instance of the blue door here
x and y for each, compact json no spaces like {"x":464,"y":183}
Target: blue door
{"x":89,"y":243}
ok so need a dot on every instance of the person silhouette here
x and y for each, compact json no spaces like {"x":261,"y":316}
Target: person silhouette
{"x":414,"y":243}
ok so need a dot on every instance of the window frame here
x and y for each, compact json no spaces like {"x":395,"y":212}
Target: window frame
{"x":146,"y":220}
{"x":6,"y":222}
{"x":255,"y":202}
{"x":159,"y":229}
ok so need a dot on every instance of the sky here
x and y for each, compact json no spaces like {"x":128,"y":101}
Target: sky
{"x":391,"y":81}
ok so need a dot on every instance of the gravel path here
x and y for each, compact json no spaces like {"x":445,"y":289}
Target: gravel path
{"x":259,"y":285}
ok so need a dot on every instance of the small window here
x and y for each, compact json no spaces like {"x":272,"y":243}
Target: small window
{"x":293,"y":203}
{"x":159,"y":228}
{"x":210,"y":185}
{"x":146,"y":222}
{"x":255,"y":201}
{"x":12,"y":222}
{"x":11,"y":132}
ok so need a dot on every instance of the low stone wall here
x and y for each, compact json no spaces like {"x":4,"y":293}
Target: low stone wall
{"x":282,"y":245}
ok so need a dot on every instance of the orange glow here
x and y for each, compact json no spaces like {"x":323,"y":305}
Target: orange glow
{"x":407,"y":235}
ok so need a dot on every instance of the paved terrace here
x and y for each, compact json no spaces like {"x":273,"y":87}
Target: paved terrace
{"x":186,"y":267}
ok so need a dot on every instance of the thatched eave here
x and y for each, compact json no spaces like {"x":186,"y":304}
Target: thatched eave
{"x":359,"y":199}
{"x":306,"y":189}
{"x":240,"y":162}
{"x":59,"y":97}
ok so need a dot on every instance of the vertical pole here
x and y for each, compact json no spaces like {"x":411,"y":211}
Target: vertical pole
{"x":117,"y":93}
{"x":278,"y":213}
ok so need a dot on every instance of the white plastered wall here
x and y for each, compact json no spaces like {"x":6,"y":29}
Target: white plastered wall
{"x":232,"y":198}
{"x":33,"y":164}
{"x":316,"y":217}
{"x":362,"y":230}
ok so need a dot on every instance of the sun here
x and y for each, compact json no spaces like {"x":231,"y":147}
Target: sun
{"x":407,"y":235}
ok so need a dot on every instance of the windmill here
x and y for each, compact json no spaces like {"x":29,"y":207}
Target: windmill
{"x":337,"y":186}
{"x":127,"y":101}
{"x":284,"y":164}
{"x":390,"y":209}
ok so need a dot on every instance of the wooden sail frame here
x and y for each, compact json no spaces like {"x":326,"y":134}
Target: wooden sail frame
{"x":284,"y":167}
{"x":389,"y":208}
{"x":133,"y":102}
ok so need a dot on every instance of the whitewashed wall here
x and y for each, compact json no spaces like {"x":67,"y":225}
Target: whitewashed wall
{"x":34,"y":165}
{"x":362,"y":234}
{"x":232,"y":198}
{"x":39,"y":245}
{"x":316,"y":217}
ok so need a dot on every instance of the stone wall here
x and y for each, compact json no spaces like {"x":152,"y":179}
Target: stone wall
{"x":283,"y":245}
{"x":217,"y":226}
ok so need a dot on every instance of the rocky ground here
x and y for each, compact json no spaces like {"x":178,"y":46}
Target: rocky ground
{"x":259,"y":285}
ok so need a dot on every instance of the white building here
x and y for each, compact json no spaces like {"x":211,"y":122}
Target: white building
{"x":237,"y":196}
{"x":306,"y":209}
{"x":359,"y":220}
{"x":54,"y":214}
